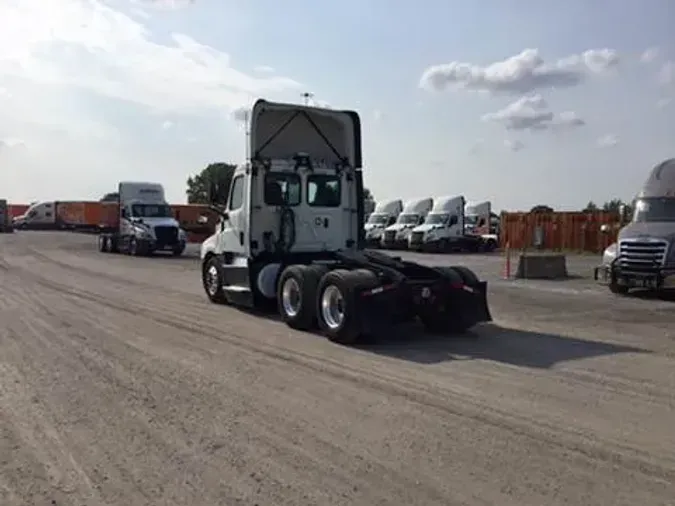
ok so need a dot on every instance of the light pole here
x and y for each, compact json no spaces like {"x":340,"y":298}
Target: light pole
{"x":307,"y":97}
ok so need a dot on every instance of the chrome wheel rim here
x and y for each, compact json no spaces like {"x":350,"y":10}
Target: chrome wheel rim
{"x":212,"y":280}
{"x":290,"y":297}
{"x":332,"y":307}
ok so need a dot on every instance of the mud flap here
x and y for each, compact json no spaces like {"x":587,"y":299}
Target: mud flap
{"x":475,"y":305}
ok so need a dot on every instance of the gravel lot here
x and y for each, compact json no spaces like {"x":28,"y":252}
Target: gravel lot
{"x":120,"y":384}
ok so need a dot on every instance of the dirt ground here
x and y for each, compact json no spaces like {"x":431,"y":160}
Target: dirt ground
{"x":121,"y":385}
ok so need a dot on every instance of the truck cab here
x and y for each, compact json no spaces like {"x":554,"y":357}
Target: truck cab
{"x":644,"y":254}
{"x":146,"y":223}
{"x":443,"y":227}
{"x":384,"y":215}
{"x":291,"y":236}
{"x":481,"y":222}
{"x":38,"y":216}
{"x":414,"y":212}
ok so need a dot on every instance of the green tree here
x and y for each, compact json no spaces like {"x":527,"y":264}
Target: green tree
{"x":216,"y":176}
{"x":541,"y":209}
{"x":590,"y":207}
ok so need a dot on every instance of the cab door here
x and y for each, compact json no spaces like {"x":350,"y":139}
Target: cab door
{"x":234,"y":227}
{"x":328,"y":214}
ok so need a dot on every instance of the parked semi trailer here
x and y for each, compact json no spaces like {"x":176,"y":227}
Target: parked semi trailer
{"x":146,"y":223}
{"x":291,"y":237}
{"x":384,"y":215}
{"x":644,"y":254}
{"x":414,"y":212}
{"x":62,"y":215}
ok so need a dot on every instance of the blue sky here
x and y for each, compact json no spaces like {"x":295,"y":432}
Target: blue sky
{"x":94,"y":91}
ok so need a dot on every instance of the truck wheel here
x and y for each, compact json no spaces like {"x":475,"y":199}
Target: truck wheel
{"x":490,"y":245}
{"x":103,"y":244}
{"x":296,"y":295}
{"x":178,"y":251}
{"x":338,"y":311}
{"x":212,"y":280}
{"x":113,"y":246}
{"x":133,"y":247}
{"x":618,"y":289}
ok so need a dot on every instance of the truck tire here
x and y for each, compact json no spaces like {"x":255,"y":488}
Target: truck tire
{"x":103,"y":244}
{"x":133,"y":247}
{"x":212,"y":280}
{"x":446,"y":321}
{"x":490,"y":246}
{"x":296,"y":295}
{"x":178,"y":251}
{"x":618,"y":289}
{"x":337,"y":308}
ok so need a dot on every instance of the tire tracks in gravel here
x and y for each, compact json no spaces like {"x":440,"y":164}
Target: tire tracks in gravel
{"x":457,"y":403}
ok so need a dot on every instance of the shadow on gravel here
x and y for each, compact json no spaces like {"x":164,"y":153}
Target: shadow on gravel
{"x":495,"y":343}
{"x":651,"y":295}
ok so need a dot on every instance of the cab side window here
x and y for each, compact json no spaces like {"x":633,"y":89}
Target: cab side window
{"x":237,"y":193}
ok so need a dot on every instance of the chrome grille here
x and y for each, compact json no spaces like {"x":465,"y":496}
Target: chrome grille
{"x":416,"y":237}
{"x":642,"y":255}
{"x":166,"y":234}
{"x":389,"y":235}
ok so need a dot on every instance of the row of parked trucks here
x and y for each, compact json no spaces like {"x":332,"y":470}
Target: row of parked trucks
{"x":440,"y":224}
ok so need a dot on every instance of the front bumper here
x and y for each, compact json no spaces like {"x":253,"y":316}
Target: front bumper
{"x":395,"y":243}
{"x":661,"y":279}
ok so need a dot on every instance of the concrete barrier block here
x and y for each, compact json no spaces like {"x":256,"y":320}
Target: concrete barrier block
{"x":542,"y":266}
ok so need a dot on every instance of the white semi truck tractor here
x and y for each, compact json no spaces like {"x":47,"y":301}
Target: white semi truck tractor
{"x":384,"y":215}
{"x":414,"y":212}
{"x":644,"y":254}
{"x":291,"y":237}
{"x":146,"y":223}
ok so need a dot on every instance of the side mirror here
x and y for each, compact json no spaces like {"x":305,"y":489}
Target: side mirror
{"x":124,"y":213}
{"x":453,"y":220}
{"x":604,"y":229}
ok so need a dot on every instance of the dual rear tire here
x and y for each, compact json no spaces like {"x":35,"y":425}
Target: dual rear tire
{"x":311,"y":296}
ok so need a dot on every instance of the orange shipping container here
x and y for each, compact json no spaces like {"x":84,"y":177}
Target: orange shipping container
{"x":17,"y":209}
{"x":571,"y":231}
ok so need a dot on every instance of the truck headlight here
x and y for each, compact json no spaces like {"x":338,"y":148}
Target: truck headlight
{"x":182,"y":235}
{"x":430,"y":236}
{"x":671,"y":254}
{"x":609,"y":254}
{"x":143,"y":233}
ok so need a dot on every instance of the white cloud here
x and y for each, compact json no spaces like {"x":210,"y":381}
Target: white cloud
{"x":89,"y":45}
{"x":531,"y":112}
{"x":264,"y":69}
{"x":608,"y":141}
{"x":523,"y":73}
{"x":513,"y":145}
{"x":167,"y":124}
{"x":664,"y":102}
{"x":378,"y":115}
{"x":165,"y":4}
{"x":650,"y":54}
{"x":11,"y":143}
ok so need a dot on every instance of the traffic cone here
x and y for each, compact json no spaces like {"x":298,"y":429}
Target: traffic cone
{"x":506,"y":272}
